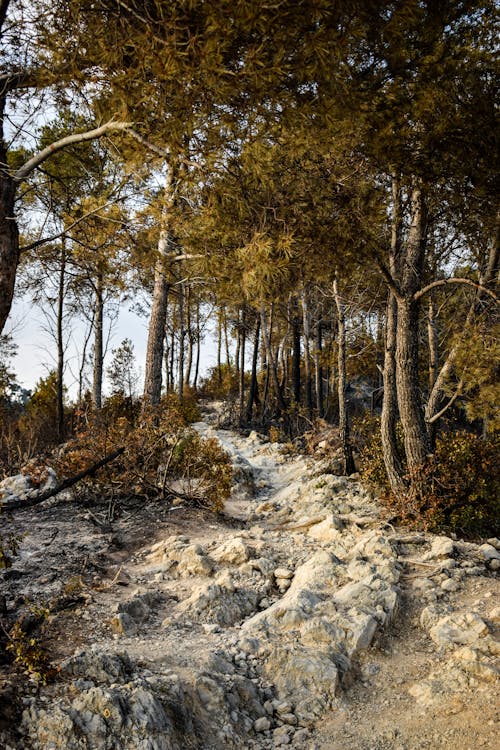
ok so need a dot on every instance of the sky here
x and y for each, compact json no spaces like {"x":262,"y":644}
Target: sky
{"x":36,"y":354}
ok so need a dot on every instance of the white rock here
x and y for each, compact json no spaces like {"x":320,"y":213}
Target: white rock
{"x":450,"y":585}
{"x":488,"y":552}
{"x":327,"y":530}
{"x":233,"y":552}
{"x":458,"y":628}
{"x":441,"y":546}
{"x":283,"y":573}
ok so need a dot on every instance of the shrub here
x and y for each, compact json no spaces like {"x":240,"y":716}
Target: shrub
{"x":462,"y":480}
{"x":221,"y":382}
{"x":163,"y":457}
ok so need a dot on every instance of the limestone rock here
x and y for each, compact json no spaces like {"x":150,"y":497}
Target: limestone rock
{"x":488,"y":552}
{"x":458,"y":628}
{"x":441,"y":547}
{"x":233,"y":552}
{"x":220,"y":602}
{"x":327,"y":530}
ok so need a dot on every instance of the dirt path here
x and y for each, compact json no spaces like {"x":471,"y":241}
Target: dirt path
{"x":299,"y":618}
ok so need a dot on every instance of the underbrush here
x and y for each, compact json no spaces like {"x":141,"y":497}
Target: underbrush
{"x":163,"y":457}
{"x":462,"y":480}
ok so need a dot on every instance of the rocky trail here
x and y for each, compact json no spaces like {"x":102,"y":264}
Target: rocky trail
{"x":300,"y":618}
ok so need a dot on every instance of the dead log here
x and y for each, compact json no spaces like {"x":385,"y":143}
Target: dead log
{"x":40,"y":497}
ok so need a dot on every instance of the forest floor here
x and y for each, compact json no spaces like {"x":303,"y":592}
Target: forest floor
{"x":202,"y":601}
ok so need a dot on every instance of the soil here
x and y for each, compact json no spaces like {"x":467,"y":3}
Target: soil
{"x":81,"y":561}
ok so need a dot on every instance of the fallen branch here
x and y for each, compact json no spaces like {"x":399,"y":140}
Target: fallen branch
{"x":297,"y":526}
{"x":40,"y":497}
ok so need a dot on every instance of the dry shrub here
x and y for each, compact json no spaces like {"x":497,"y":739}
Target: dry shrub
{"x":462,"y":480}
{"x":163,"y":457}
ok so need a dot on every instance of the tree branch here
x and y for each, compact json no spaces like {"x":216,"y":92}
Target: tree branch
{"x":393,"y":286}
{"x":65,"y":231}
{"x":445,"y":408}
{"x":446,"y":282}
{"x":64,"y":485}
{"x":69,"y":140}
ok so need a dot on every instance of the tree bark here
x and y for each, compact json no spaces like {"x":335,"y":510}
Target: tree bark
{"x":253,"y":394}
{"x":156,"y":331}
{"x":318,"y":370}
{"x":344,"y":428}
{"x":271,"y":362}
{"x":242,"y":334}
{"x":388,"y":419}
{"x":98,"y":344}
{"x":9,"y":234}
{"x":182,"y":341}
{"x":417,"y":446}
{"x":60,"y":344}
{"x":198,"y":347}
{"x":296,"y":385}
{"x":307,"y":351}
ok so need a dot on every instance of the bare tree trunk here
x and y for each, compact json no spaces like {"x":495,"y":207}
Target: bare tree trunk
{"x":98,"y":345}
{"x":83,"y":360}
{"x":190,"y":341}
{"x":417,"y":446}
{"x":240,"y":315}
{"x":307,"y":350}
{"x":242,"y":334}
{"x":271,"y":360}
{"x":253,"y":394}
{"x":198,"y":347}
{"x":9,"y":234}
{"x":156,"y":331}
{"x":318,"y":370}
{"x":60,"y":345}
{"x":344,"y":428}
{"x":219,"y":348}
{"x":296,"y":352}
{"x":172,"y":358}
{"x":182,"y":340}
{"x":226,"y":335}
{"x":388,"y":419}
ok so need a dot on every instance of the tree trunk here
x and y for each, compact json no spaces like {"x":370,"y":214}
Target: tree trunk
{"x":182,"y":341}
{"x":417,"y":446}
{"x":271,"y":362}
{"x":344,"y":428}
{"x":219,"y":348}
{"x":253,"y":394}
{"x":98,"y":345}
{"x":60,"y":345}
{"x":226,"y":336}
{"x":318,"y":370}
{"x":296,"y":354}
{"x":9,"y":234}
{"x":242,"y":334}
{"x":307,"y":351}
{"x":190,"y":341}
{"x":388,"y":419}
{"x":198,"y":347}
{"x":156,"y":331}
